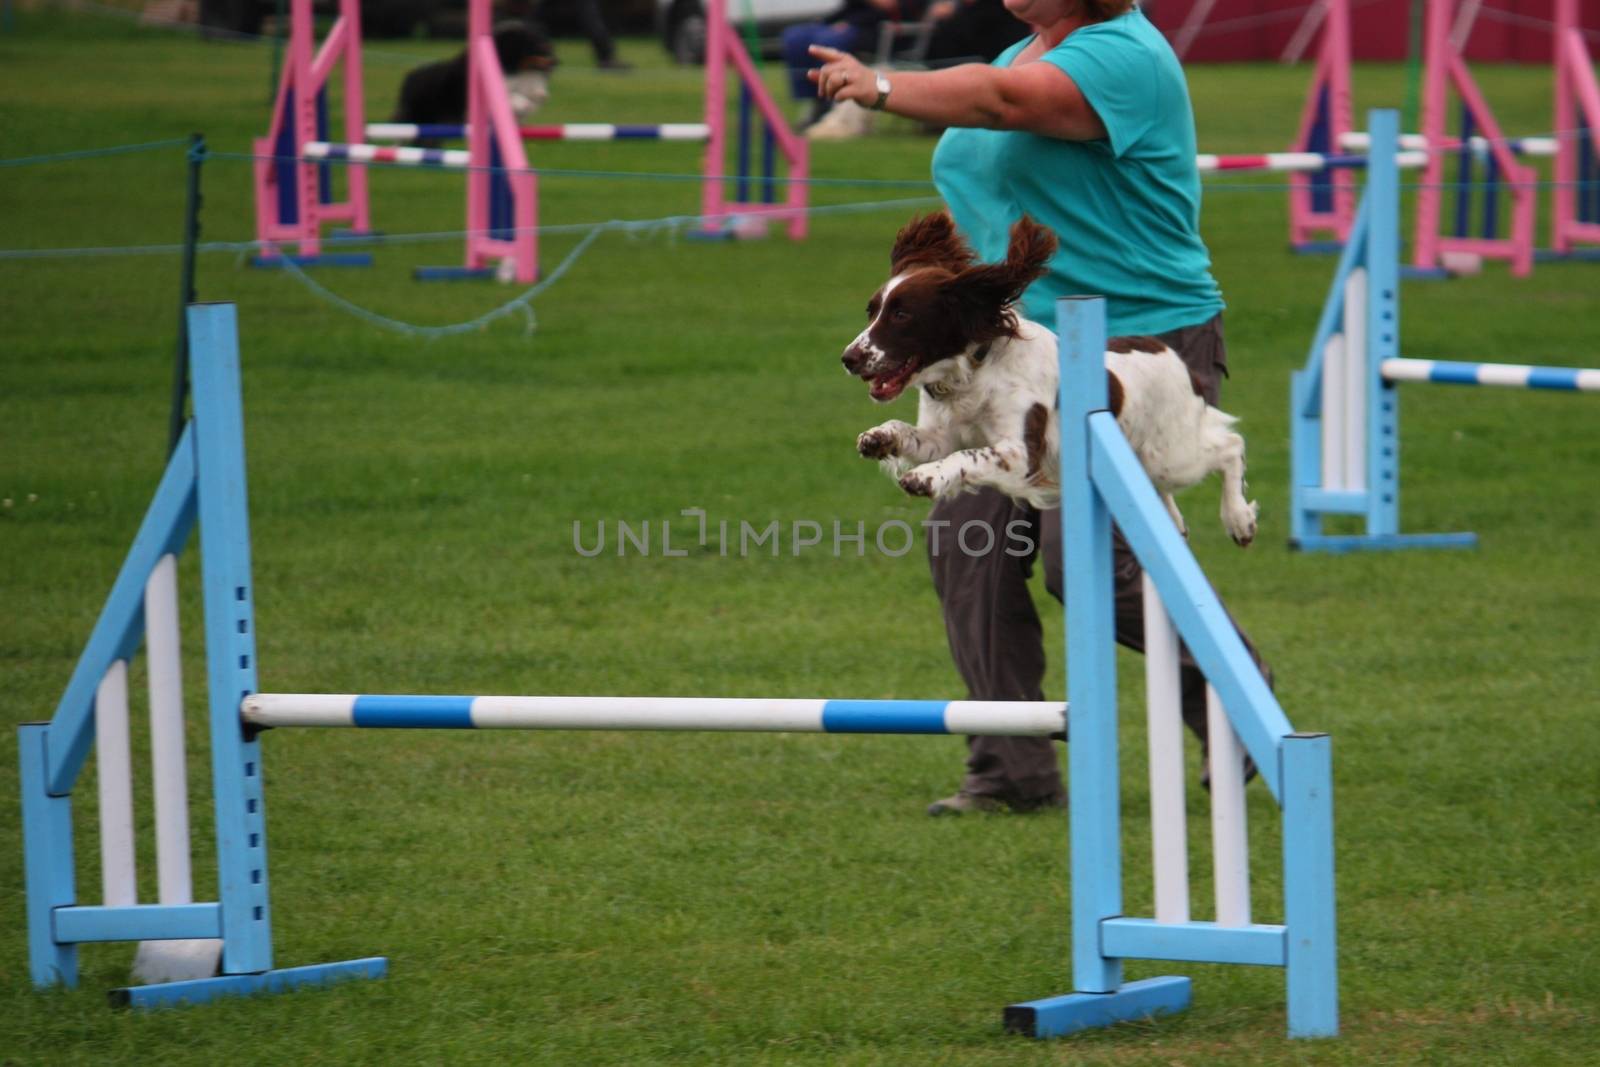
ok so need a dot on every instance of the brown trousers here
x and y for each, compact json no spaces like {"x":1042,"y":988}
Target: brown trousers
{"x":994,"y":631}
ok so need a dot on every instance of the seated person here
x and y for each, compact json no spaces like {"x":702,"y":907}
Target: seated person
{"x":852,"y":28}
{"x":963,"y":31}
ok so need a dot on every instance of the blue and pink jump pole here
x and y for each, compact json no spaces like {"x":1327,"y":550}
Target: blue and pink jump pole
{"x":204,"y":484}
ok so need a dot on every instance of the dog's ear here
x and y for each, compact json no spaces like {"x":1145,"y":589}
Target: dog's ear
{"x":930,"y":241}
{"x":982,"y":295}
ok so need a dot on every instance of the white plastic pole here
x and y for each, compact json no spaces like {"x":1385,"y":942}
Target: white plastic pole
{"x":179,"y":960}
{"x":1355,"y":370}
{"x":1334,"y":357}
{"x":1230,"y":851}
{"x":167,"y":759}
{"x":114,"y":777}
{"x":1169,"y":838}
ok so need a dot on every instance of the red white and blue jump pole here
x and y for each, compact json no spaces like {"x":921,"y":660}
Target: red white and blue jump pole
{"x":567,"y":131}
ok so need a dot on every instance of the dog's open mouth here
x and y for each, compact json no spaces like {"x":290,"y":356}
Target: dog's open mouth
{"x":891,"y":383}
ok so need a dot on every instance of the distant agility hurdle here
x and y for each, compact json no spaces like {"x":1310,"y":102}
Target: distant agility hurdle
{"x":1322,"y":202}
{"x":205,"y":485}
{"x":295,"y":195}
{"x":1344,"y":408}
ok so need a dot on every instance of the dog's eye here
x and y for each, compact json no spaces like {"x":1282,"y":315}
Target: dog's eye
{"x":900,"y":315}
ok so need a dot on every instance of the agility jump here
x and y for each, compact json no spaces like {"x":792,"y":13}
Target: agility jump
{"x":205,"y":484}
{"x":1322,"y":204}
{"x":294,"y":183}
{"x":1344,"y":408}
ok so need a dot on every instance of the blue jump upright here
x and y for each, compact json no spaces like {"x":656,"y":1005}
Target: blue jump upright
{"x":204,"y":481}
{"x":1101,"y":481}
{"x":1344,"y":407}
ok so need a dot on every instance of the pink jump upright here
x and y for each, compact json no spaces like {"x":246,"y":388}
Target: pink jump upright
{"x":502,"y":193}
{"x":721,"y":209}
{"x":1445,"y":68}
{"x":1575,"y":216}
{"x":294,"y":195}
{"x":1322,"y":205}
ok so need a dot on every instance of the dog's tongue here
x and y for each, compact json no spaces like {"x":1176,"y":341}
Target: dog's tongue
{"x":886,"y":387}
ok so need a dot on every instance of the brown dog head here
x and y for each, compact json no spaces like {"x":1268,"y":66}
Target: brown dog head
{"x":939,"y":302}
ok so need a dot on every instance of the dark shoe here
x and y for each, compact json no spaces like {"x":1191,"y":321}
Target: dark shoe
{"x":965,"y":803}
{"x":962,"y":803}
{"x":619,"y":66}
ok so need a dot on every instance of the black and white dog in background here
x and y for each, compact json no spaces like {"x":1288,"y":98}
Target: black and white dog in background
{"x":437,"y":92}
{"x":987,"y":377}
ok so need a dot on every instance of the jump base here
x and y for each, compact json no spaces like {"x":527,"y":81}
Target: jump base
{"x":202,"y":990}
{"x":1344,"y":544}
{"x":454,"y":274}
{"x":1580,"y":255}
{"x":1056,"y":1016}
{"x":332,"y":259}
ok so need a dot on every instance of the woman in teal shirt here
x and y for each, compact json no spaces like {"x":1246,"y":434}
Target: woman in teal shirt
{"x":1085,"y":126}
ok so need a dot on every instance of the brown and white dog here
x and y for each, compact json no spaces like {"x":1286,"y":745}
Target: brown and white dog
{"x":948,"y":326}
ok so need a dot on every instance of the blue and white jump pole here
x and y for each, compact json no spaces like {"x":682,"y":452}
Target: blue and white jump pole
{"x":1101,"y":480}
{"x":1344,"y":409}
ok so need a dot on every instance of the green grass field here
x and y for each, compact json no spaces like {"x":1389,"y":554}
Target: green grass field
{"x":701,"y":899}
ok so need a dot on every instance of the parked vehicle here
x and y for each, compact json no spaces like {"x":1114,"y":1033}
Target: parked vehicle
{"x":682,"y":23}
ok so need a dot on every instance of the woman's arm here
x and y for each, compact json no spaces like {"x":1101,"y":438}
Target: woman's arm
{"x":1036,"y":97}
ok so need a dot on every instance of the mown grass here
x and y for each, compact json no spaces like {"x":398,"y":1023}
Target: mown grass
{"x":594,"y":898}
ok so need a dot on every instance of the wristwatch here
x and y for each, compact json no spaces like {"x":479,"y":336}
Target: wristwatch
{"x":883,"y":86}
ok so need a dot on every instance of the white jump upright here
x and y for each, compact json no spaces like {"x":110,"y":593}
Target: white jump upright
{"x":1344,"y":408}
{"x":205,"y":482}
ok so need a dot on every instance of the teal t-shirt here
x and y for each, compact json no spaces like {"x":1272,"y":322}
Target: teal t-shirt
{"x":1126,"y":209}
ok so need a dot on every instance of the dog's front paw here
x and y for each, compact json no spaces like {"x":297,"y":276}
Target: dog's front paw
{"x":917,"y":484}
{"x":1241,"y":523}
{"x":880,"y":442}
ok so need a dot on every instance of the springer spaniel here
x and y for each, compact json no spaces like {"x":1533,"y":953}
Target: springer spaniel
{"x":988,"y":379}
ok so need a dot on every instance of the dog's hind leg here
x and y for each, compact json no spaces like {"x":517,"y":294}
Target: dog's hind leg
{"x":1238,"y":514}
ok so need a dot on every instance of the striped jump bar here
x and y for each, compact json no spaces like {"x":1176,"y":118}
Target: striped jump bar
{"x":1542,"y":147}
{"x":377,"y":153}
{"x":1298,"y":162}
{"x":995,"y":718}
{"x":1510,"y":375}
{"x":571,"y":131}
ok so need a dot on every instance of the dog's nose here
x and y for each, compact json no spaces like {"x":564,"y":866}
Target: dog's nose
{"x":852,"y":359}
